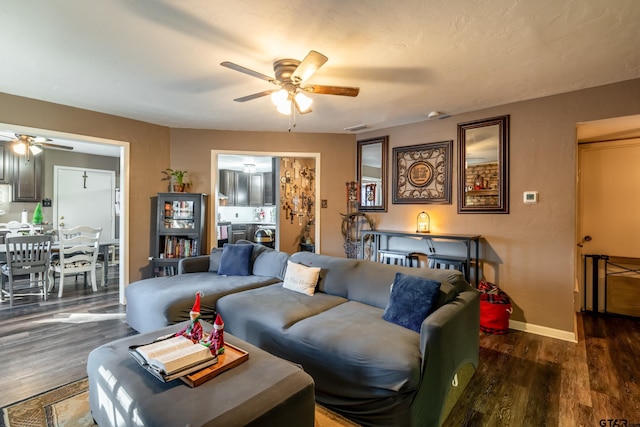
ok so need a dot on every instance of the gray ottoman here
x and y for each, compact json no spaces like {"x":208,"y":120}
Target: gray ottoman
{"x":263,"y":391}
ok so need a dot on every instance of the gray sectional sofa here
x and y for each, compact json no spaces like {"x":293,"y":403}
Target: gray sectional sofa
{"x":368,"y":369}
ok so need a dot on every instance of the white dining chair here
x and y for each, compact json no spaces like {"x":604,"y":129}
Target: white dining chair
{"x":77,"y":251}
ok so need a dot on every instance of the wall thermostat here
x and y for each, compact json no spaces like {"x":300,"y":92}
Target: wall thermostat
{"x":530,"y":197}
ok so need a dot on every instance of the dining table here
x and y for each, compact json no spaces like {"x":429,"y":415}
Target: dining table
{"x":103,"y":248}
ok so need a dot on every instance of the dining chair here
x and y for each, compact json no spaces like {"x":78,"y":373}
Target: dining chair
{"x":77,"y":252}
{"x":27,"y":263}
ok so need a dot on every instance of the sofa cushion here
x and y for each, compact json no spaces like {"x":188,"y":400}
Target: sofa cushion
{"x":301,"y":278}
{"x":412,"y":300}
{"x":346,"y":278}
{"x":235,"y":260}
{"x":214,"y":259}
{"x":260,"y":315}
{"x":368,"y":357}
{"x":160,"y":301}
{"x":271,"y":263}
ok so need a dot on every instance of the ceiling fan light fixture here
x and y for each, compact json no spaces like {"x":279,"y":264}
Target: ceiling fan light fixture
{"x":279,"y":97}
{"x":35,"y":150}
{"x":284,"y":107}
{"x":20,"y":148}
{"x":303,"y":101}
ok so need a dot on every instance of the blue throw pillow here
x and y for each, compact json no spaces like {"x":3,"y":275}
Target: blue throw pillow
{"x":412,"y":299}
{"x":235,"y":260}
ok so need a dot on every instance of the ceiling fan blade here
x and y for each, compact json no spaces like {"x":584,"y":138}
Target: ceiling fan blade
{"x":332,"y":90}
{"x":49,"y":145}
{"x":308,"y":66}
{"x":249,"y":72}
{"x":256,"y":95}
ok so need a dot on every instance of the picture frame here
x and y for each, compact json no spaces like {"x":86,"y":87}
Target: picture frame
{"x":372,"y":159}
{"x":483,"y":173}
{"x":422,"y":173}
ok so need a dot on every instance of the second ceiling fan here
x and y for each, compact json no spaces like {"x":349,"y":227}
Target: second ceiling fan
{"x":290,"y":75}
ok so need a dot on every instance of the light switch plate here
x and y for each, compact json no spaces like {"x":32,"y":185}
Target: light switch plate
{"x":530,"y":197}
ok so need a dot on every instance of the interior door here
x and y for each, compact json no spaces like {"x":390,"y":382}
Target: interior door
{"x":84,"y":197}
{"x":608,"y":207}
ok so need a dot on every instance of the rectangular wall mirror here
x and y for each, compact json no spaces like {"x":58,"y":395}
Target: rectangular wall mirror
{"x":372,"y":174}
{"x":483,"y":181}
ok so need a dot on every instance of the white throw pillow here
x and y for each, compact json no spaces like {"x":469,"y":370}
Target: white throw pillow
{"x":301,"y":278}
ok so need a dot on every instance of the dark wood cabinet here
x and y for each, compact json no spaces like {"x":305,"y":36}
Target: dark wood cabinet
{"x":246,"y":189}
{"x":5,"y":163}
{"x":267,"y":189}
{"x":238,"y":232}
{"x":242,"y":189}
{"x":26,"y":178}
{"x":178,"y":229}
{"x":227,"y":186}
{"x":255,"y":190}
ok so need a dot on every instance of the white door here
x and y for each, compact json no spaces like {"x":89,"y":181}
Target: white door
{"x":84,"y":197}
{"x":609,"y":179}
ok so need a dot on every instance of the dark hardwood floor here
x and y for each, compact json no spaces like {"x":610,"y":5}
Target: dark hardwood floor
{"x":46,"y":344}
{"x":523,"y":379}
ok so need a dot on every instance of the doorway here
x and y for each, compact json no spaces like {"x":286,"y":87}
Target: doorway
{"x":100,"y":147}
{"x":608,"y":233}
{"x":217,"y":202}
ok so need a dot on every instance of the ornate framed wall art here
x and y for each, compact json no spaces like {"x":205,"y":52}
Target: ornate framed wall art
{"x":422,"y":173}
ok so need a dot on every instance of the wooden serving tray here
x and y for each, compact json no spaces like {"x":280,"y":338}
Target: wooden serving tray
{"x":232,"y":357}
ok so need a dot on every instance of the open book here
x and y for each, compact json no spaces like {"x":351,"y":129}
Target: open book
{"x":173,"y":357}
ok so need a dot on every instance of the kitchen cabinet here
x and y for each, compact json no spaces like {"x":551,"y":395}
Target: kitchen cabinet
{"x":238,"y":232}
{"x":178,"y":229}
{"x":267,"y":189}
{"x":26,"y":178}
{"x":5,"y":163}
{"x":227,"y":185}
{"x":246,"y":189}
{"x":256,"y":195}
{"x":242,"y":189}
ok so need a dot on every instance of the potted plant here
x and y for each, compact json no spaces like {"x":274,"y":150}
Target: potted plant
{"x":177,"y":176}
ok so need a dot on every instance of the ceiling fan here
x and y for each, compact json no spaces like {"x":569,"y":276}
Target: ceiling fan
{"x":290,"y":75}
{"x":25,"y":144}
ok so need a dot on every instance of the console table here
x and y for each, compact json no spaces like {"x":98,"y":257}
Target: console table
{"x":428,"y":238}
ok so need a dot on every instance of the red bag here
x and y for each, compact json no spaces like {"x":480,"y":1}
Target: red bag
{"x":495,"y":309}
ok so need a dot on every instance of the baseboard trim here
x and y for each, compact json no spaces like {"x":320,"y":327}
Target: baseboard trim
{"x":542,"y":330}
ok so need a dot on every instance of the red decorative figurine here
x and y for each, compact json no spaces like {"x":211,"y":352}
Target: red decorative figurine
{"x":193,"y":331}
{"x":215,"y":341}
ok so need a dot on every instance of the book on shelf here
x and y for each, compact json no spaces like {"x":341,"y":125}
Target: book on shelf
{"x":179,"y":247}
{"x":173,"y":357}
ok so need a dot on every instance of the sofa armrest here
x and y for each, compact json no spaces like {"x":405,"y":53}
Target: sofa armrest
{"x":196,"y":264}
{"x":449,"y":339}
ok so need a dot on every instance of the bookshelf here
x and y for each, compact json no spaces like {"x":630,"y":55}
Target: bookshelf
{"x":178,"y":230}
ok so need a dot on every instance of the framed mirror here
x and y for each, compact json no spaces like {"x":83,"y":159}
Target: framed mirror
{"x":483,"y":181}
{"x":372,"y":174}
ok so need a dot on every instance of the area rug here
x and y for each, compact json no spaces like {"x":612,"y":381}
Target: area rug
{"x":68,"y":406}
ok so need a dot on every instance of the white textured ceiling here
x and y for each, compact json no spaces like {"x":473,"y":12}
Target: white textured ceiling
{"x":159,"y":61}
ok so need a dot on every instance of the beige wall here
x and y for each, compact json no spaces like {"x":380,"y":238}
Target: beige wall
{"x":191,"y":150}
{"x":529,"y":252}
{"x":149,"y":155}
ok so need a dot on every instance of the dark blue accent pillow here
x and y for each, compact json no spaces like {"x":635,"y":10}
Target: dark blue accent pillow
{"x":235,"y":260}
{"x":412,"y":299}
